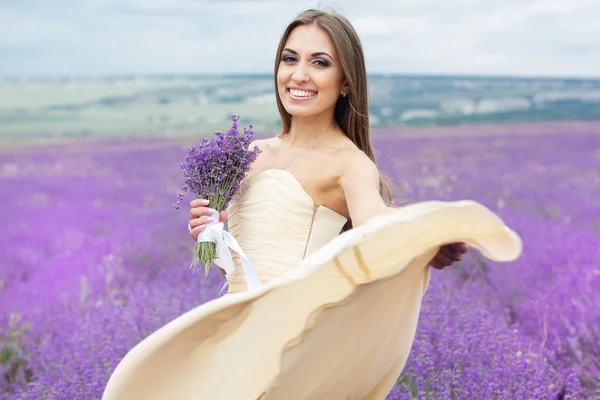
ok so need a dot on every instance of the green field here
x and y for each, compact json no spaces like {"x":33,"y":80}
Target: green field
{"x":175,"y":105}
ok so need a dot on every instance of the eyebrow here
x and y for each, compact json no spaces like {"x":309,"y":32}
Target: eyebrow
{"x":319,"y":53}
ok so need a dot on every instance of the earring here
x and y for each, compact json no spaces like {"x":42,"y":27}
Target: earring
{"x":344,"y":94}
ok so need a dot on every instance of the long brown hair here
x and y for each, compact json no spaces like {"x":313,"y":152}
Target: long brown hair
{"x":351,"y":112}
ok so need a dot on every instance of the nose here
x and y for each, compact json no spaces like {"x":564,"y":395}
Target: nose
{"x":300,"y":74}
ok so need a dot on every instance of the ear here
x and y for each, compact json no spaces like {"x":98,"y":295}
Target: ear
{"x":345,"y":89}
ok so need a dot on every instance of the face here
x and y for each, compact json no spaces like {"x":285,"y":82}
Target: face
{"x":309,"y":78}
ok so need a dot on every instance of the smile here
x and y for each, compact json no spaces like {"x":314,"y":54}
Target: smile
{"x":298,"y":94}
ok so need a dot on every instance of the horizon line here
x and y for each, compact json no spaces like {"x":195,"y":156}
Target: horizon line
{"x":15,"y":77}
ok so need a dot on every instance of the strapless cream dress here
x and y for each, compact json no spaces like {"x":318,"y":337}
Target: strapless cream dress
{"x":277,"y":224}
{"x":336,"y":316}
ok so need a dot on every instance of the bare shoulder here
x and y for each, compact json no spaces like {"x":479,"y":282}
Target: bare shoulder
{"x":360,"y":182}
{"x":265,"y":145}
{"x":355,"y":164}
{"x":262,"y":144}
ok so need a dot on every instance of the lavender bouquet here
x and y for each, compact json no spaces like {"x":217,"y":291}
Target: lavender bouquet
{"x":213,"y":170}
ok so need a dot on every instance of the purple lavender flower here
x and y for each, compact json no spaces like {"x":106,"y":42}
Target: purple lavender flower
{"x":213,"y":170}
{"x":82,"y":281}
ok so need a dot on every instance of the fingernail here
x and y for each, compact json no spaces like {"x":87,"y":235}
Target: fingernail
{"x":209,"y":219}
{"x":212,"y":210}
{"x":201,"y":226}
{"x":204,"y":202}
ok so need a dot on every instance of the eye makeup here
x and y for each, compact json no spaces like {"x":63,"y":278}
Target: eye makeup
{"x":289,"y":55}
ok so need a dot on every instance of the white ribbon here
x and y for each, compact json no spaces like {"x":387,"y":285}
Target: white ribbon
{"x":216,"y":233}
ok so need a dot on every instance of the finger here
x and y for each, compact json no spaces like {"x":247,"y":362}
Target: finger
{"x":222,"y":216}
{"x":200,"y":211}
{"x":459,"y":247}
{"x":436,"y":264}
{"x":194,"y":222}
{"x":452,"y":254}
{"x":196,"y":231}
{"x":198,"y":203}
{"x":443,"y":259}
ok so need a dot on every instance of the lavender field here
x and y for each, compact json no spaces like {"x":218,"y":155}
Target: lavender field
{"x":93,"y":258}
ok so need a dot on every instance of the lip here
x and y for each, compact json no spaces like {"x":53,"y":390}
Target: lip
{"x":301,"y":88}
{"x":296,"y":98}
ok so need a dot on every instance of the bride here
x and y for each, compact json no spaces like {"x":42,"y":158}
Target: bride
{"x":343,"y":273}
{"x":324,"y":155}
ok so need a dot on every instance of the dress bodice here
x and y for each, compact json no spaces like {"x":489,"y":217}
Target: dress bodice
{"x":277,"y":224}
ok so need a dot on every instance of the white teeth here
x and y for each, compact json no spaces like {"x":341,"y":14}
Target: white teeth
{"x":301,"y":93}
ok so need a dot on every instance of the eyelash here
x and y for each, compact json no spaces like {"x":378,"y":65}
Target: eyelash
{"x":288,"y":58}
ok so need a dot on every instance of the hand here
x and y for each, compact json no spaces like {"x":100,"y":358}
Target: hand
{"x":200,"y":215}
{"x":448,"y":254}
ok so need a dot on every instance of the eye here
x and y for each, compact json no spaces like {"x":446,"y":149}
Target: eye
{"x":288,"y":58}
{"x":322,"y":62}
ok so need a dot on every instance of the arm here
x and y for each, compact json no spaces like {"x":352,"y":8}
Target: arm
{"x":360,"y":183}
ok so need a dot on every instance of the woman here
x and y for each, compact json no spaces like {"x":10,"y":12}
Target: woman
{"x":337,"y":314}
{"x":324,"y":149}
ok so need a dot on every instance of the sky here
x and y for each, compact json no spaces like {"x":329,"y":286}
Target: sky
{"x":554,"y":38}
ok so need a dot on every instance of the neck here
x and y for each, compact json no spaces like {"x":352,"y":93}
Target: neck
{"x":304,"y":130}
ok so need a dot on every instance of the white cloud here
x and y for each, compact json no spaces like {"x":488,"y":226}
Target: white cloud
{"x":514,"y":37}
{"x":379,"y":25}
